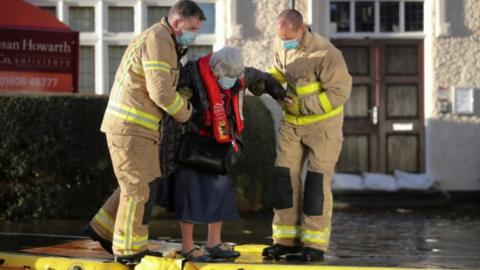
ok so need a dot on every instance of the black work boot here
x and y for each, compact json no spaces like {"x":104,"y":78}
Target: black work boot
{"x":136,"y":258}
{"x":90,"y":232}
{"x":277,"y":250}
{"x":311,"y":255}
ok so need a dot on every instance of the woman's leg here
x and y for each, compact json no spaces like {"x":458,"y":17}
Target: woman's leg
{"x":214,"y":234}
{"x":187,"y":236}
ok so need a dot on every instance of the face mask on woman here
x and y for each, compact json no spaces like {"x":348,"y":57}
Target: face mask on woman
{"x":226,"y":82}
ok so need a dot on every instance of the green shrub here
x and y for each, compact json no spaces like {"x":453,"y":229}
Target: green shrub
{"x":54,"y":161}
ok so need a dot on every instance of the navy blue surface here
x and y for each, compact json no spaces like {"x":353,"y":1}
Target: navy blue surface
{"x":202,"y":197}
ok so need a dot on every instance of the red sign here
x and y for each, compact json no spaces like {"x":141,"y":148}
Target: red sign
{"x":33,"y":60}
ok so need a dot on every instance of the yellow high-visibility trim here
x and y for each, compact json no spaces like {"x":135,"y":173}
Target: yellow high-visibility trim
{"x":285,"y":231}
{"x":309,"y":88}
{"x":175,"y":106}
{"x":325,"y":102}
{"x":277,"y":74}
{"x":118,"y":84}
{"x":156,"y":65}
{"x":105,"y":220}
{"x":103,"y":224}
{"x":301,"y":120}
{"x":135,"y":111}
{"x":133,"y":120}
{"x":319,"y":237}
{"x":136,"y":243}
{"x":130,"y":217}
{"x":133,"y":115}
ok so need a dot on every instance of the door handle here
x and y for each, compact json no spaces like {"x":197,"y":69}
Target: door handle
{"x":374,"y":115}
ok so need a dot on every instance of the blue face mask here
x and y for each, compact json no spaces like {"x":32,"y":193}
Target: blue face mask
{"x":187,"y":38}
{"x":226,"y":82}
{"x":291,"y":44}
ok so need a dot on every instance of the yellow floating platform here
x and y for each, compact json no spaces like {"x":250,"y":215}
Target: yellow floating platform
{"x":251,"y":259}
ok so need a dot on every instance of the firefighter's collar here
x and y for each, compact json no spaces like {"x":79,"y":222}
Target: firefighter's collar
{"x":307,"y":39}
{"x":167,"y":26}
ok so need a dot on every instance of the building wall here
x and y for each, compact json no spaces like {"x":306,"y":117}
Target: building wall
{"x":454,"y":151}
{"x":255,"y":22}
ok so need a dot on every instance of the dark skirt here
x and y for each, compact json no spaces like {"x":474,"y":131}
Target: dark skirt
{"x":202,"y":197}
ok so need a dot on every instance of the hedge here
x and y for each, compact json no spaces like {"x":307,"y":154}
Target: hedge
{"x":54,"y":161}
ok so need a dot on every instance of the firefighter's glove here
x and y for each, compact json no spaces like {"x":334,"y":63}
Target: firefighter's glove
{"x":185,"y":92}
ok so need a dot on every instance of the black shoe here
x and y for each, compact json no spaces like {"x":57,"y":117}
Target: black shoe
{"x":218,"y":252}
{"x":90,"y":232}
{"x":278,"y":250}
{"x":200,"y":258}
{"x":136,"y":258}
{"x":312,"y":255}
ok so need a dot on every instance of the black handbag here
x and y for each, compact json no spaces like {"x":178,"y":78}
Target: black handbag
{"x":206,"y":154}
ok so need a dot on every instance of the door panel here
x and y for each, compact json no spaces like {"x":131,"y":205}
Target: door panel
{"x":384,"y":125}
{"x":359,"y":104}
{"x":355,"y":154}
{"x":402,"y":152}
{"x":402,"y":101}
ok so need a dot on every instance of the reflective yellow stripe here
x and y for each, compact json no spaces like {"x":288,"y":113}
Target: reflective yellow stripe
{"x":104,"y":223}
{"x":319,"y":237}
{"x":136,"y":242}
{"x":156,"y":65}
{"x":175,"y":106}
{"x":310,"y":119}
{"x":285,"y":231}
{"x":277,"y":74}
{"x":118,"y":85}
{"x":325,"y":102}
{"x":133,"y":115}
{"x":130,"y":215}
{"x":309,"y":88}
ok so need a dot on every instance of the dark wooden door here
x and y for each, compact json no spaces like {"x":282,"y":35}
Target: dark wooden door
{"x":384,"y":121}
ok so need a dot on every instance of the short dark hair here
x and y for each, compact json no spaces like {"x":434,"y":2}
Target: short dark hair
{"x":186,"y":9}
{"x":292,"y":17}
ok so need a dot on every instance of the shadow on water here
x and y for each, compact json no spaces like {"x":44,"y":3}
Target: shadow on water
{"x":448,"y":237}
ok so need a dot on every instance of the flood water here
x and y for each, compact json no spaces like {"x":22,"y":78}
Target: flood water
{"x":435,"y":238}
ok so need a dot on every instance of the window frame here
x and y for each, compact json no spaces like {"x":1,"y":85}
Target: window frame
{"x":376,"y":33}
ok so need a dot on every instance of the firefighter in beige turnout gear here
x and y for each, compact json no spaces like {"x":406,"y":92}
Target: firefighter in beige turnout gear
{"x":318,"y":83}
{"x":144,"y":89}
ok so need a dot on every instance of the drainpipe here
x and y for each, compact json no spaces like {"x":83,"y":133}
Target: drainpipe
{"x":291,"y":4}
{"x":442,"y":26}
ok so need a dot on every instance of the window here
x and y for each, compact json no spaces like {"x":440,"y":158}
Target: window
{"x":82,"y":18}
{"x":414,"y":16}
{"x":120,"y":19}
{"x":51,"y":9}
{"x":208,"y":26}
{"x":87,"y":69}
{"x":340,"y":16}
{"x":389,"y":17}
{"x":155,"y":14}
{"x":364,"y":16}
{"x":115,"y":53}
{"x":376,"y":17}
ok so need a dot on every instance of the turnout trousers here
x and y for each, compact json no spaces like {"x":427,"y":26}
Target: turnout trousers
{"x":303,"y":211}
{"x":122,"y":218}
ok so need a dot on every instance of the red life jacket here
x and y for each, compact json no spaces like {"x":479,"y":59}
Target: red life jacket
{"x":216,"y":116}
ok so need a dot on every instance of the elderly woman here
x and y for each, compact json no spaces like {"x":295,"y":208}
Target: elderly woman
{"x":215,"y":85}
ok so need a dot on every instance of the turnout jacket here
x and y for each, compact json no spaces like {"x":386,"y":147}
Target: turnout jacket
{"x":316,"y":78}
{"x":144,"y":89}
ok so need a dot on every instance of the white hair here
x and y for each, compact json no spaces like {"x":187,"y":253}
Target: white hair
{"x":227,"y":62}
